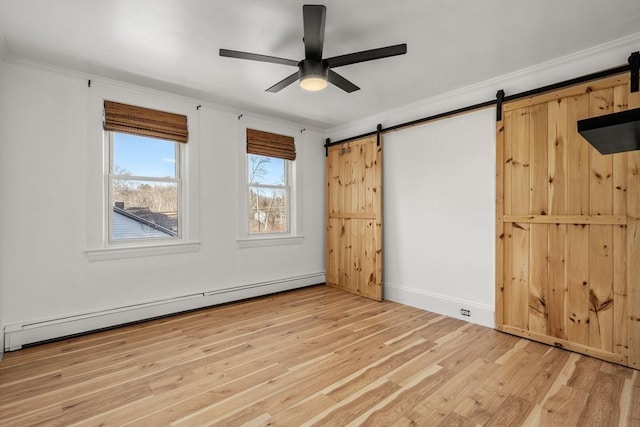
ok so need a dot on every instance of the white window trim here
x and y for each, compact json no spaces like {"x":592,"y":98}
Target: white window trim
{"x":141,"y":251}
{"x":269,"y":240}
{"x":98,"y":246}
{"x":295,"y":235}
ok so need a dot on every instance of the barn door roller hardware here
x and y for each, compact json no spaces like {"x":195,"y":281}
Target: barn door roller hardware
{"x":633,"y":66}
{"x":634,"y":63}
{"x":499,"y":101}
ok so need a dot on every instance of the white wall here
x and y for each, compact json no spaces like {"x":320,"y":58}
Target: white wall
{"x":48,"y":285}
{"x":439,"y":188}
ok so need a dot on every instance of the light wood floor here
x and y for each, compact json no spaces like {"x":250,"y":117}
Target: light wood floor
{"x":314,"y":356}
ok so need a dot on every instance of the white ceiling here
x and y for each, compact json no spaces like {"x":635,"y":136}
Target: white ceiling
{"x":173,"y":45}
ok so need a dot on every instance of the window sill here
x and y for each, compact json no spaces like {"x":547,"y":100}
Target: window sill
{"x":259,"y":242}
{"x":141,"y":251}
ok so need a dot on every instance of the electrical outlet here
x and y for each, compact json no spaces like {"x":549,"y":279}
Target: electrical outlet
{"x":465,"y":312}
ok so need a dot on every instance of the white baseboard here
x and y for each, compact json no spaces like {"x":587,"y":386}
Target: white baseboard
{"x":18,"y":334}
{"x":442,"y":304}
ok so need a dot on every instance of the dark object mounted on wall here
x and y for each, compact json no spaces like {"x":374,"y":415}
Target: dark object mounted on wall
{"x":613,"y":133}
{"x":617,"y":132}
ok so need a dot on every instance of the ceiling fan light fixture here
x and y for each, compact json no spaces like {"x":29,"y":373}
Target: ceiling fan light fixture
{"x":313,"y":74}
{"x":313,"y":83}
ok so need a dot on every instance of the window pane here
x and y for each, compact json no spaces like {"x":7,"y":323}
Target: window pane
{"x":266,"y":170}
{"x":268,"y":210}
{"x":143,"y":156}
{"x":144,"y":209}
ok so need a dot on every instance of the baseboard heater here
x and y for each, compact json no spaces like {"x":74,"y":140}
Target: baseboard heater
{"x":18,"y":335}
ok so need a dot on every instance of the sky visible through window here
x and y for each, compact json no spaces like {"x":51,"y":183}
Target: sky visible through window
{"x":142,"y":156}
{"x":271,"y":171}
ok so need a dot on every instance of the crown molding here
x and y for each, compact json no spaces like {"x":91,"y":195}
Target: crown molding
{"x":593,"y":59}
{"x":178,"y":93}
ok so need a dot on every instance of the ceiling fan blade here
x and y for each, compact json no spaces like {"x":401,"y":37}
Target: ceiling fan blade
{"x":255,"y":57}
{"x":341,"y":82}
{"x":367,"y":55}
{"x":283,"y":83}
{"x":313,"y":19}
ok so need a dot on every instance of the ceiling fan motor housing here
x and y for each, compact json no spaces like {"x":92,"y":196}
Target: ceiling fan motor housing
{"x":313,"y":69}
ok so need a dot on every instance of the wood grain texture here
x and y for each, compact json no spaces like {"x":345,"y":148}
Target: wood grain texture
{"x":507,"y":263}
{"x":557,"y":281}
{"x":633,"y":247}
{"x":557,"y":138}
{"x":314,"y":356}
{"x":570,"y":220}
{"x":500,"y":237}
{"x":620,"y":309}
{"x":520,"y":200}
{"x":354,"y":218}
{"x":578,"y":284}
{"x":568,"y":92}
{"x":538,"y":292}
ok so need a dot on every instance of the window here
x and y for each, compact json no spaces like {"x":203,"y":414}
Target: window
{"x":269,"y":163}
{"x":268,"y":181}
{"x":144,"y":177}
{"x":144,"y":188}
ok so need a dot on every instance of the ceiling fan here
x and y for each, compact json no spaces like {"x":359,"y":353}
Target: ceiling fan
{"x":313,"y":71}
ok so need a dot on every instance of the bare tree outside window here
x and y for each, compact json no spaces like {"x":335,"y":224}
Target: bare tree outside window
{"x":257,"y":168}
{"x":268,"y":195}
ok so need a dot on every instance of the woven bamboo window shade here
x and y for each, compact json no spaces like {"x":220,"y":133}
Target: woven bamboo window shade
{"x":270,"y":144}
{"x":144,"y":121}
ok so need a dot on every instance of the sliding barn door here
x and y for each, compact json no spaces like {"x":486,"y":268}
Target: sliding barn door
{"x":354,"y":217}
{"x":568,"y":236}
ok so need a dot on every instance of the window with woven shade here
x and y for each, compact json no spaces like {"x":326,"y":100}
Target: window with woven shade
{"x":145,"y":122}
{"x":145,"y":185}
{"x":270,"y":144}
{"x":269,"y":161}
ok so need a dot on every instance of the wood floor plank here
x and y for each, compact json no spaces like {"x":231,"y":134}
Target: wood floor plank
{"x":192,"y":403}
{"x":357,"y":404}
{"x":634,"y":400}
{"x":381,"y":369}
{"x":537,"y":385}
{"x":462,"y":384}
{"x":456,"y":420}
{"x":418,"y":388}
{"x":503,"y":379}
{"x":511,"y":413}
{"x":314,"y":356}
{"x":585,"y":374}
{"x":602,"y":407}
{"x":302,"y":411}
{"x":564,"y":407}
{"x":298,"y":384}
{"x":49,"y":415}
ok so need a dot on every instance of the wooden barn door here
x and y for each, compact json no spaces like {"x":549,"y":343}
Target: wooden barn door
{"x":568,"y":233}
{"x":354,"y":217}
